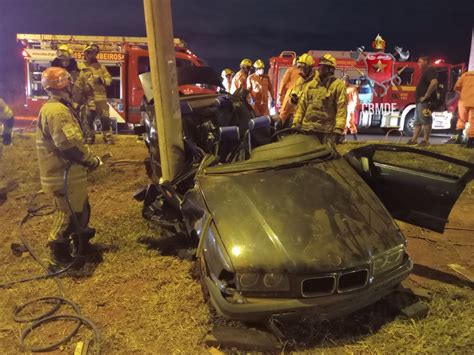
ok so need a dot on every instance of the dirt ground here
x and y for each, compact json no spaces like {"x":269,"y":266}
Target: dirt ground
{"x":146,"y":300}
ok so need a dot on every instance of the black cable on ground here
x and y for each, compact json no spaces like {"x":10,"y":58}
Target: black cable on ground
{"x":49,"y":315}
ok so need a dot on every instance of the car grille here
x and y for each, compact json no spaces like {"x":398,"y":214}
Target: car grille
{"x":318,"y":286}
{"x":351,"y":281}
{"x":339,"y":282}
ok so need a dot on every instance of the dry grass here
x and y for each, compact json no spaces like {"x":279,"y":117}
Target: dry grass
{"x":146,"y":301}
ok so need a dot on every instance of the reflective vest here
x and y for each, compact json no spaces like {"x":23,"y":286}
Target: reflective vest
{"x":322,"y":106}
{"x":57,"y":131}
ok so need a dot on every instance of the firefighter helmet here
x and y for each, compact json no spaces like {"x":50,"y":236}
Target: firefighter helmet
{"x":259,"y":64}
{"x":92,"y":47}
{"x":378,"y":43}
{"x":55,"y":78}
{"x":246,"y":63}
{"x":328,"y":60}
{"x":64,"y":51}
{"x":226,"y":72}
{"x":305,"y":59}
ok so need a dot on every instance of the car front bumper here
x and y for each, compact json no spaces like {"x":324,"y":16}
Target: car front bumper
{"x":326,"y":307}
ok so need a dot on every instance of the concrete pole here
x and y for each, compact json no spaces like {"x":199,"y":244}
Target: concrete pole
{"x":159,"y":29}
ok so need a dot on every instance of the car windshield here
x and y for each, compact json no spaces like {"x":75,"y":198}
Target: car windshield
{"x":291,"y":150}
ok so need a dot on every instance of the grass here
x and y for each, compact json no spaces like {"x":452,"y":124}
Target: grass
{"x":146,"y":301}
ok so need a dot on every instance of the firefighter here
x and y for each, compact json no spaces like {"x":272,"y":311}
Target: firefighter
{"x":6,"y":119}
{"x":288,"y":80}
{"x":322,"y":107}
{"x":240,"y":79}
{"x":306,"y":72}
{"x":352,"y":102}
{"x":59,"y":144}
{"x":227,"y":75}
{"x":260,"y":89}
{"x":64,"y":59}
{"x":465,"y":86}
{"x":91,"y":84}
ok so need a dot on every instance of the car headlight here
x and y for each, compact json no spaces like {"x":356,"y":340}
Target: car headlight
{"x":255,"y":282}
{"x":388,"y":260}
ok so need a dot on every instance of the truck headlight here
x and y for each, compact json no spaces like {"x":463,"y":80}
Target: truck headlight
{"x":255,"y":282}
{"x":388,"y":260}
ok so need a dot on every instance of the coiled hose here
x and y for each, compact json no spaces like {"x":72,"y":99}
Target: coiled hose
{"x":50,"y":316}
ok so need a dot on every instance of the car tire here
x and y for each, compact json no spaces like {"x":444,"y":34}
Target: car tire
{"x":409,"y":125}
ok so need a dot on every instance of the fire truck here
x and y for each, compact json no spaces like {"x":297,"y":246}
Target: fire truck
{"x":396,"y":109}
{"x":124,"y":57}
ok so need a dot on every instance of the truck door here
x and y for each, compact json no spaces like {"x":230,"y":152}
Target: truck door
{"x":138,"y":63}
{"x":416,"y":186}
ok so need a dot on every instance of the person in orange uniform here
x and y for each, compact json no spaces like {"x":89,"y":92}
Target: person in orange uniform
{"x":260,"y":89}
{"x":352,"y":102}
{"x":465,"y":85}
{"x":288,"y":80}
{"x":306,"y":71}
{"x":240,"y":79}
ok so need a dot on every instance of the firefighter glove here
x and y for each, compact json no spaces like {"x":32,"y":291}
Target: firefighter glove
{"x":339,"y":136}
{"x":294,"y":99}
{"x":95,"y":163}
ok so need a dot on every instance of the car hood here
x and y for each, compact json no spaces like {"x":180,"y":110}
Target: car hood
{"x":308,"y":219}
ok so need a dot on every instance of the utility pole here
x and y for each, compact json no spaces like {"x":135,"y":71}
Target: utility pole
{"x":159,"y":29}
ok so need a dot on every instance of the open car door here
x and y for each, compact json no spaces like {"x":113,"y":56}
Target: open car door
{"x":416,"y":186}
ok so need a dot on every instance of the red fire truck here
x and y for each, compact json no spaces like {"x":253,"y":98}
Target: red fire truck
{"x":397,"y":108}
{"x":124,"y":57}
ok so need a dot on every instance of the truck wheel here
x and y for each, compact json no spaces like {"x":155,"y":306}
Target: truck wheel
{"x":409,"y":123}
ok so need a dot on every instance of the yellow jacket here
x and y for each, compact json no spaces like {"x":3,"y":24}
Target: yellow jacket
{"x":322,"y":106}
{"x":5,"y":111}
{"x":59,"y":142}
{"x":465,"y":85}
{"x":91,"y":83}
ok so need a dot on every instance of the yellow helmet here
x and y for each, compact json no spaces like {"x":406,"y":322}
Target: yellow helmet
{"x":305,"y":59}
{"x":259,"y":64}
{"x":64,"y":51}
{"x":226,"y":72}
{"x":328,"y":60}
{"x":92,"y":47}
{"x":246,"y":63}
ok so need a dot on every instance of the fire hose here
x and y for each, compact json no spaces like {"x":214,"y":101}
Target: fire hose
{"x":50,"y":316}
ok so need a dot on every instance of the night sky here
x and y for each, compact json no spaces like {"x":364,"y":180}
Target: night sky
{"x":222,"y":32}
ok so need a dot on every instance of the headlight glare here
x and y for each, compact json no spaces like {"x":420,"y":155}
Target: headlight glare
{"x":388,"y":260}
{"x":270,"y":282}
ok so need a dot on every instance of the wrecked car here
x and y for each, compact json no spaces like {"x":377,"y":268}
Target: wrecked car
{"x":286,"y":227}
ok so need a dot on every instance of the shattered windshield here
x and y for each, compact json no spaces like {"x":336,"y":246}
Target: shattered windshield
{"x":291,"y":150}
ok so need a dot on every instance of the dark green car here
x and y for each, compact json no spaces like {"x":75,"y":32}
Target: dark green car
{"x":286,"y":227}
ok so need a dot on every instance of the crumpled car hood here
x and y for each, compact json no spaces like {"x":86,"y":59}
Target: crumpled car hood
{"x":310,"y":219}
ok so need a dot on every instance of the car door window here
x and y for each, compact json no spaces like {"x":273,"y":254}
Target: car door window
{"x":418,"y":187}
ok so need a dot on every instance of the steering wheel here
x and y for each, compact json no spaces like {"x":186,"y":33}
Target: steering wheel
{"x":286,"y":130}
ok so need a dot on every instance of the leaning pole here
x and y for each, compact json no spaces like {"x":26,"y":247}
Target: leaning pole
{"x":159,"y":29}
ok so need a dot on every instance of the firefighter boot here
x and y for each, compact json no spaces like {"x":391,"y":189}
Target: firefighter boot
{"x":87,"y":248}
{"x":458,"y":136}
{"x":470,"y":143}
{"x":90,"y":139}
{"x":354,"y":135}
{"x":107,"y":137}
{"x":60,"y":257}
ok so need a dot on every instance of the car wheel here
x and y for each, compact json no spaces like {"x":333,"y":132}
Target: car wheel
{"x":409,"y":123}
